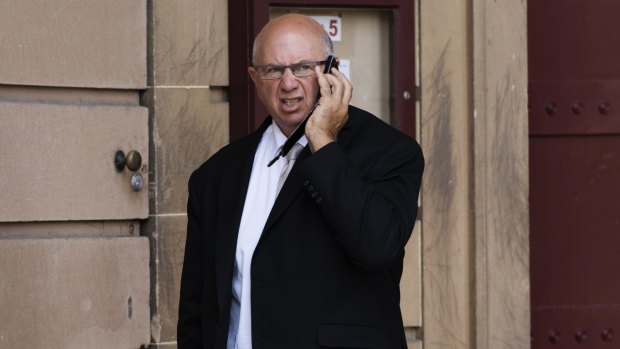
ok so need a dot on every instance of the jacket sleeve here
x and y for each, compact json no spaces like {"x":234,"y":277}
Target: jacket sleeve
{"x":371,"y":213}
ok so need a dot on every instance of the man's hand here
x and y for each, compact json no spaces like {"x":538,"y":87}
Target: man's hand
{"x":332,"y":112}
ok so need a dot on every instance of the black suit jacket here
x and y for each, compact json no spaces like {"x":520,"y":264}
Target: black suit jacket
{"x":326,"y":271}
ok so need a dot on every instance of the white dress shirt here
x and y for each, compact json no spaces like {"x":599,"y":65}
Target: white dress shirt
{"x":258,"y":203}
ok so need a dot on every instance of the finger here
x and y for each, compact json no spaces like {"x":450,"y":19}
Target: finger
{"x":347,"y":88}
{"x":337,"y":86}
{"x":342,"y":78}
{"x":341,"y":97}
{"x":348,"y":91}
{"x":324,"y":84}
{"x":339,"y":82}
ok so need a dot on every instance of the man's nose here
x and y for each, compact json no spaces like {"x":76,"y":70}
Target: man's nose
{"x":289,"y":80}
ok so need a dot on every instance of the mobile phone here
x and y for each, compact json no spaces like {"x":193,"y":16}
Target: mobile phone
{"x":330,"y":62}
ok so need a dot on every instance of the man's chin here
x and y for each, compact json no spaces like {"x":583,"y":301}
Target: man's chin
{"x":289,"y":122}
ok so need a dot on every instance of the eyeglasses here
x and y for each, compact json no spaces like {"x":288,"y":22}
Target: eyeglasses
{"x":300,"y":70}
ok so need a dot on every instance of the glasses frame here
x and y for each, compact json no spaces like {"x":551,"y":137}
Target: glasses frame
{"x":283,"y":67}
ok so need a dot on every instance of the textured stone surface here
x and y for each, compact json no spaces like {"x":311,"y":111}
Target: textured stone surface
{"x":74,"y":293}
{"x":445,"y":123}
{"x":57,"y":161}
{"x":69,"y":229}
{"x":190,"y":49}
{"x":500,"y":157}
{"x":170,"y":236}
{"x":413,"y":339}
{"x":190,"y":41}
{"x":86,"y":43}
{"x":187,"y":128}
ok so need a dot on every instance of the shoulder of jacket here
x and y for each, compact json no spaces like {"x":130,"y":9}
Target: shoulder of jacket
{"x":378,"y":130}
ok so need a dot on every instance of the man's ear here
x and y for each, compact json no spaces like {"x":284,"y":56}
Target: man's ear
{"x":253,"y":74}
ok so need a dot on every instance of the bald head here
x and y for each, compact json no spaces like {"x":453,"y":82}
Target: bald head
{"x":291,"y":23}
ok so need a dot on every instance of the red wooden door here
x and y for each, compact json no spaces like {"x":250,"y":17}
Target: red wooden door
{"x":574,"y":74}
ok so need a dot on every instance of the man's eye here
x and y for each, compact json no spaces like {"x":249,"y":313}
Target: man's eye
{"x":272,"y":70}
{"x":305,"y":67}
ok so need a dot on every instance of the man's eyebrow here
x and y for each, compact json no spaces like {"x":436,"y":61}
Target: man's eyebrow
{"x":300,"y":62}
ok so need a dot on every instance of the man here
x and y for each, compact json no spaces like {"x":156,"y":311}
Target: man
{"x":317,"y":262}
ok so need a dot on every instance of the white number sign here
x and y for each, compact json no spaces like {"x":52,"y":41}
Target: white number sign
{"x":332,"y":25}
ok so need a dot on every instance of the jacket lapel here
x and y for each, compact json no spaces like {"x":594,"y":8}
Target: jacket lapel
{"x":233,"y":190}
{"x":291,"y":189}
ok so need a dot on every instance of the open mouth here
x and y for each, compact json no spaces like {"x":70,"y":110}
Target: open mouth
{"x":290,"y":102}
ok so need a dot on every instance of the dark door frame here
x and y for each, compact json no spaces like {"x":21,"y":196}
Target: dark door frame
{"x":247,"y":17}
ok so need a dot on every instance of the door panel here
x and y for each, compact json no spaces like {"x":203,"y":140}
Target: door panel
{"x":575,"y":241}
{"x":573,"y":39}
{"x":575,"y":107}
{"x":87,"y":43}
{"x":74,"y":293}
{"x":70,"y":83}
{"x":58,"y":162}
{"x":574,"y":172}
{"x":578,"y":191}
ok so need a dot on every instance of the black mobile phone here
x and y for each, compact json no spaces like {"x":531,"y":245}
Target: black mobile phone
{"x":330,"y":62}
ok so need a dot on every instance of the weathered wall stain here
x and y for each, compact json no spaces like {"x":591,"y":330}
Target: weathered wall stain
{"x":440,"y":154}
{"x":510,"y":184}
{"x":192,"y":51}
{"x":508,"y":224}
{"x":441,"y":241}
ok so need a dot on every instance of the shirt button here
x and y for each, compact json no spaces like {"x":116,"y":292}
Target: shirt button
{"x":305,"y":183}
{"x":315,"y":195}
{"x":310,"y":188}
{"x":319,"y":200}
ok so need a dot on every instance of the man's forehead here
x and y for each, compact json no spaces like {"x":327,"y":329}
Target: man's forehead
{"x":290,"y":34}
{"x":290,"y":47}
{"x":297,"y":26}
{"x":292,"y":22}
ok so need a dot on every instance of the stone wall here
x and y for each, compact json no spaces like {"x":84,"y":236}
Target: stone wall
{"x":74,"y":272}
{"x":188,"y":120}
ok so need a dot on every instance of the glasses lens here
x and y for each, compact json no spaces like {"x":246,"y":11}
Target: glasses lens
{"x":270,"y":72}
{"x":303,"y":69}
{"x":273,"y":72}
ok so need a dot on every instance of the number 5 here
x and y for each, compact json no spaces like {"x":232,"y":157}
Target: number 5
{"x":333,"y":27}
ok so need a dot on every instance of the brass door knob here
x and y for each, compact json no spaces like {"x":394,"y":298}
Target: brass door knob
{"x":133,"y":160}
